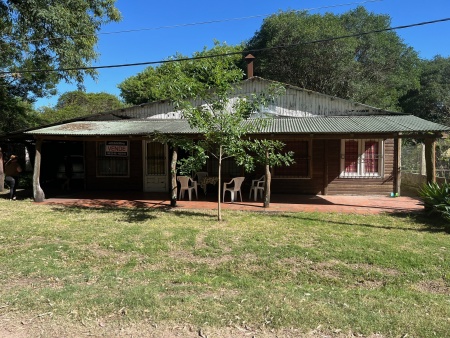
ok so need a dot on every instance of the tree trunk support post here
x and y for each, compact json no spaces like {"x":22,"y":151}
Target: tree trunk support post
{"x":38,"y":193}
{"x":2,"y":173}
{"x":173,"y":171}
{"x":267,"y":183}
{"x":430,"y":159}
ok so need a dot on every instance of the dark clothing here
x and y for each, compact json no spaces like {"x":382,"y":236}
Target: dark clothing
{"x":12,"y":182}
{"x":12,"y":169}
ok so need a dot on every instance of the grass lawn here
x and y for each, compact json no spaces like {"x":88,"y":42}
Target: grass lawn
{"x":140,"y":273}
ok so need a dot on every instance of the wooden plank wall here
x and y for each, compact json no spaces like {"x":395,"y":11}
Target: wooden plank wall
{"x":331,"y":169}
{"x":133,"y":182}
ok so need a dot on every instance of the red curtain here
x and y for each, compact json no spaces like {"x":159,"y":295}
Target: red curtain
{"x":351,"y":156}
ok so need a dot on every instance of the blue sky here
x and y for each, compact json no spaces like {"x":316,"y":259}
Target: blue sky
{"x":158,"y":42}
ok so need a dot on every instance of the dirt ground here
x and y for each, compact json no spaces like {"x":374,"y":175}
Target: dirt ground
{"x":44,"y":325}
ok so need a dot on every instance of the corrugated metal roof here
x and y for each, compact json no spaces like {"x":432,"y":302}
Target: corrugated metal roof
{"x":304,"y":125}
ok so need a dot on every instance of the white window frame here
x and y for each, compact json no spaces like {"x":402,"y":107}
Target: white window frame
{"x":361,"y":172}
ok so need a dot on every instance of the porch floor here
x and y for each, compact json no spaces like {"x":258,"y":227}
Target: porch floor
{"x":280,"y":203}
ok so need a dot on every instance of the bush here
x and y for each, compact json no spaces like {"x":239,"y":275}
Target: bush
{"x":436,"y":198}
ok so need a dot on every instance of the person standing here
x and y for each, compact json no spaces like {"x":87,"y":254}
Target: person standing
{"x":12,"y":169}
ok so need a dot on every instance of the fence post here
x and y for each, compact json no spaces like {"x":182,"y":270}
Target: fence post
{"x":430,"y":159}
{"x":423,"y":167}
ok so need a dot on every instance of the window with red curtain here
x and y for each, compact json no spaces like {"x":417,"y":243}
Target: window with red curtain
{"x":351,"y":156}
{"x":361,"y":158}
{"x":371,"y":156}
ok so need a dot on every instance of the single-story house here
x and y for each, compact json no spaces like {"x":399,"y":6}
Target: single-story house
{"x":341,"y":147}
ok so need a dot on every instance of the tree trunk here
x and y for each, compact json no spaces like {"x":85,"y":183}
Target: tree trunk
{"x":2,"y":173}
{"x":173,"y":182}
{"x":219,"y":188}
{"x":38,"y":193}
{"x":267,"y":183}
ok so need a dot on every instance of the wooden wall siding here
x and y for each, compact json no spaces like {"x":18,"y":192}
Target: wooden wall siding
{"x":133,"y":182}
{"x":360,"y":186}
{"x":336,"y":185}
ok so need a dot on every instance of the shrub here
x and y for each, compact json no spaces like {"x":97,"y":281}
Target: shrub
{"x":436,"y":197}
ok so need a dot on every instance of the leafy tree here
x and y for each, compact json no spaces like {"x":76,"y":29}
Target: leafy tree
{"x":77,"y":104}
{"x":374,"y":69}
{"x":223,"y":123}
{"x":432,"y":100}
{"x":58,"y":36}
{"x":268,"y":153}
{"x":182,"y":79}
{"x":16,"y":114}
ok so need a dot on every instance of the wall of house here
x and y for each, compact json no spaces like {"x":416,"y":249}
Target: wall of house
{"x":326,"y":170}
{"x":362,"y":186}
{"x":133,"y":182}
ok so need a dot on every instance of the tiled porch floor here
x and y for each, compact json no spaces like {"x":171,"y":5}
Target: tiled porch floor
{"x":281,"y":203}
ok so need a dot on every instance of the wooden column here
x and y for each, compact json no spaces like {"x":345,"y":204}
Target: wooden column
{"x":325,"y":168}
{"x":38,"y":193}
{"x":397,"y":165}
{"x":430,"y":159}
{"x":173,"y":177}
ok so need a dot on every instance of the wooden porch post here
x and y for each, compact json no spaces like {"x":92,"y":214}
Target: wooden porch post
{"x":38,"y":193}
{"x":430,"y":159}
{"x":325,"y":168}
{"x":397,"y":165}
{"x":173,"y":181}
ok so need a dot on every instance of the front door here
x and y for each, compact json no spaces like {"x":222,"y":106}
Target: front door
{"x":155,"y":167}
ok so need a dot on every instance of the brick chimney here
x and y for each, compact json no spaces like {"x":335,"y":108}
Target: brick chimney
{"x":249,"y":58}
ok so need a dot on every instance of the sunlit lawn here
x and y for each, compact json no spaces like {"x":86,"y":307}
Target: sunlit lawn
{"x":387,"y":275}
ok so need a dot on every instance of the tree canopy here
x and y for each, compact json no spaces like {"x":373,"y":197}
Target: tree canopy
{"x":56,"y":36}
{"x":432,"y":100}
{"x":374,"y":69}
{"x":182,"y":79}
{"x":78,"y":103}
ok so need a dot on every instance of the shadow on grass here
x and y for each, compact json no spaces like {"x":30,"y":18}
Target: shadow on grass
{"x":132,"y":215}
{"x":432,"y":223}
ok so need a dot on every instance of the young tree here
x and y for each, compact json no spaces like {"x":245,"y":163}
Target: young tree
{"x":222,"y":120}
{"x":268,"y":153}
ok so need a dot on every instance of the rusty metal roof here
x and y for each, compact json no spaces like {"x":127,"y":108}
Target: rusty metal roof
{"x":303,"y":125}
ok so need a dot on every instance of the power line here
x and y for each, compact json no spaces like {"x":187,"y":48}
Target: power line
{"x":228,"y":54}
{"x":199,"y":23}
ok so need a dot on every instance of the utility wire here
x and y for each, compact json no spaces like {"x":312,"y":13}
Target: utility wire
{"x":231,"y":53}
{"x":199,"y":23}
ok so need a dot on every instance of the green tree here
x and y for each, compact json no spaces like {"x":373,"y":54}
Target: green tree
{"x":432,"y":100}
{"x":269,"y":154}
{"x":181,"y":79}
{"x":375,"y":69}
{"x":78,"y":103}
{"x":15,"y":113}
{"x":222,"y":120}
{"x":57,"y":36}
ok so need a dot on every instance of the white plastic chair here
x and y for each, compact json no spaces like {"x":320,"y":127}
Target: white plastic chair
{"x":257,"y":186}
{"x":234,"y":187}
{"x":187,"y":184}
